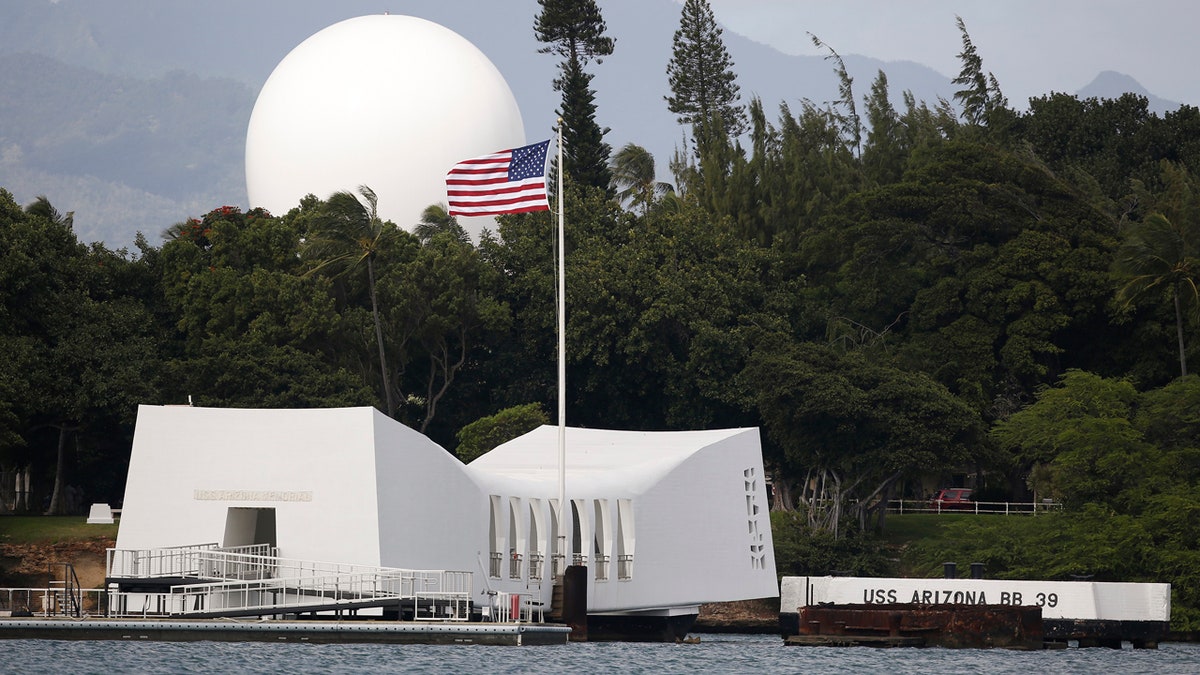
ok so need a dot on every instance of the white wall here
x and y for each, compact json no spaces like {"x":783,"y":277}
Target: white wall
{"x":1058,"y":599}
{"x":189,"y":465}
{"x":693,"y":543}
{"x":689,"y":500}
{"x":432,"y":515}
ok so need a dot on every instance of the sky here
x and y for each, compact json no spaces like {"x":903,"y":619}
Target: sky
{"x":1033,"y":47}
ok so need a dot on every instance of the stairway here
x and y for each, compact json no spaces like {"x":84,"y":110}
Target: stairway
{"x":65,"y":597}
{"x":556,"y":601}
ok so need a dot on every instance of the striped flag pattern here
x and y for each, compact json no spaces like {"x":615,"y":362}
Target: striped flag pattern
{"x":509,"y":181}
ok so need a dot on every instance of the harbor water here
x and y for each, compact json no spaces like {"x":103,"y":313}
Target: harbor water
{"x":714,"y":654}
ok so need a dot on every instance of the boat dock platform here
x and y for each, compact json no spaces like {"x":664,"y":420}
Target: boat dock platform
{"x":313,"y":631}
{"x":240,"y":594}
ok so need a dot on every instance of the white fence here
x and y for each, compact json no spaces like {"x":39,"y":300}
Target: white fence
{"x":198,"y":561}
{"x":1001,"y":508}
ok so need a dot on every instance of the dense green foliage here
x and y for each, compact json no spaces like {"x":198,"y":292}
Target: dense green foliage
{"x":1010,"y":296}
{"x":1127,"y":467}
{"x":801,"y":550}
{"x":486,"y":433}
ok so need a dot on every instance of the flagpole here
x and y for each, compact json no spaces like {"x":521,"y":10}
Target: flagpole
{"x":562,"y":363}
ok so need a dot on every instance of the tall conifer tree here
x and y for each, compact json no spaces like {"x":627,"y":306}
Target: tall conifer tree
{"x":574,"y":30}
{"x":700,"y":72}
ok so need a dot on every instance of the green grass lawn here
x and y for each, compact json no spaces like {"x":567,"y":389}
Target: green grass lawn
{"x":50,"y":529}
{"x":901,"y":529}
{"x":927,"y":528}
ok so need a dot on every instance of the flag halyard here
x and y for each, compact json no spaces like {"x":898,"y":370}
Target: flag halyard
{"x":509,"y":181}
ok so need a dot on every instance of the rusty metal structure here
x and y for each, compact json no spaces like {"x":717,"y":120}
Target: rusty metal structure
{"x":918,"y":625}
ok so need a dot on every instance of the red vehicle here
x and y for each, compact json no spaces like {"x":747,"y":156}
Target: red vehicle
{"x":952,"y":499}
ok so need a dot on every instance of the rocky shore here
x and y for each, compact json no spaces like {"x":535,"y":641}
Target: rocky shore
{"x":745,"y":616}
{"x":33,"y":565}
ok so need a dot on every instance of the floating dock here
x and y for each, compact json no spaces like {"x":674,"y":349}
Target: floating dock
{"x":314,"y":631}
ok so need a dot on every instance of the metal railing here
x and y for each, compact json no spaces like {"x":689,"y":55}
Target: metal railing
{"x":423,"y":589}
{"x":625,"y":567}
{"x":248,"y":583}
{"x":601,"y":567}
{"x":49,"y":602}
{"x":508,"y":607}
{"x":535,"y":566}
{"x":173,"y":561}
{"x":70,"y":595}
{"x":496,"y":561}
{"x":902,"y":506}
{"x":197,"y":560}
{"x":514,"y":566}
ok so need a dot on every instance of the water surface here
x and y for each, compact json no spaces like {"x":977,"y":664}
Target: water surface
{"x":714,"y":654}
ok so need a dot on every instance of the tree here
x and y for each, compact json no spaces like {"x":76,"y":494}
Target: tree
{"x":992,"y":270}
{"x":574,"y":31}
{"x":703,"y":85}
{"x":42,"y":208}
{"x":485,"y":433}
{"x":853,"y":425}
{"x":1078,"y":441}
{"x":1101,"y":142}
{"x":78,"y":342}
{"x":255,"y":330}
{"x":980,"y":95}
{"x":440,"y":308}
{"x":352,"y":233}
{"x":584,"y":151}
{"x":1158,"y":254}
{"x":1127,"y":467}
{"x":55,"y":249}
{"x":847,"y":117}
{"x":634,"y":177}
{"x":655,"y":339}
{"x":434,"y":220}
{"x":883,"y":155}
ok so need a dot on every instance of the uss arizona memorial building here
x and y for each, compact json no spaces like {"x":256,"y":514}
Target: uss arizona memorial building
{"x":663,"y":521}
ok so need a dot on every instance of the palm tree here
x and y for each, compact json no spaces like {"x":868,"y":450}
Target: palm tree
{"x":633,"y":177}
{"x":1158,"y":254}
{"x":436,"y":219}
{"x":41,"y":206}
{"x":352,"y":233}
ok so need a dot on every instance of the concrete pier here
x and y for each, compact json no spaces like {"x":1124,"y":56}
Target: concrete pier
{"x":225,"y":630}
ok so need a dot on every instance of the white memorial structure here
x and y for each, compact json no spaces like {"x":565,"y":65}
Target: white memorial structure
{"x":662,"y":521}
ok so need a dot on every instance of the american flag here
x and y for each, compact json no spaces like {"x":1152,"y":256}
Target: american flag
{"x":509,"y":181}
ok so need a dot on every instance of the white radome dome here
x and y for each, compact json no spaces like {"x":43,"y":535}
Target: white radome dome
{"x":387,"y":101}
